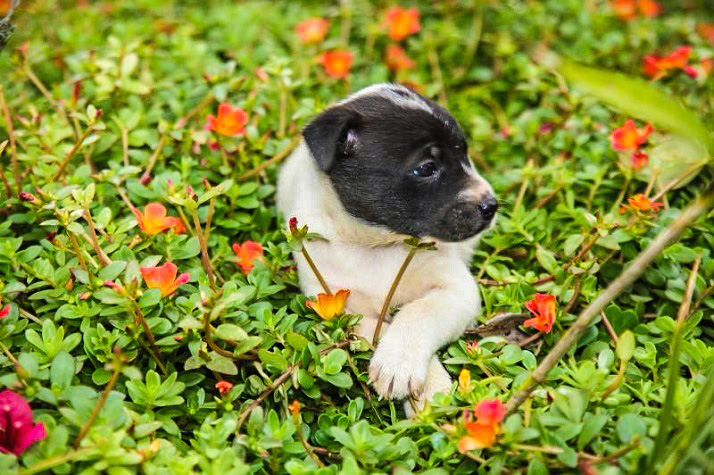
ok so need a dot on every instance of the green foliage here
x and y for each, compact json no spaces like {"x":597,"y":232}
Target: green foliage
{"x":155,"y":70}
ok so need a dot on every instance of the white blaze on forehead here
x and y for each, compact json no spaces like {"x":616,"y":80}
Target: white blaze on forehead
{"x":398,"y":95}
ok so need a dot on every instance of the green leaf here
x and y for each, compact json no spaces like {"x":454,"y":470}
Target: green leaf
{"x":626,"y":346}
{"x":221,"y":364}
{"x":62,"y":370}
{"x":547,"y":260}
{"x":150,"y":298}
{"x":335,"y":360}
{"x":629,"y":426}
{"x":230,"y":331}
{"x":591,"y":428}
{"x":639,"y":98}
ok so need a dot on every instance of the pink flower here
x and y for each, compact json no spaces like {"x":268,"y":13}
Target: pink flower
{"x":17,"y":432}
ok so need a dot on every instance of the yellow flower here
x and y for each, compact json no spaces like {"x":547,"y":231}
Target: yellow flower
{"x":329,"y":306}
{"x":465,"y":381}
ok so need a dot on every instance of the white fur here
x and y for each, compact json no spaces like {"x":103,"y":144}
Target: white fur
{"x":438,"y":297}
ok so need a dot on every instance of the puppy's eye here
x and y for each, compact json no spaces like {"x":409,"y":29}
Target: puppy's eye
{"x":426,"y":170}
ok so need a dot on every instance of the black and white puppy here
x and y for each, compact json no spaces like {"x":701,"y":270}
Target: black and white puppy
{"x":372,"y":170}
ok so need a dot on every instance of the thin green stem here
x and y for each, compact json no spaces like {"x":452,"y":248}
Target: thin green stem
{"x":315,"y":270}
{"x":55,"y":461}
{"x":100,"y":405}
{"x":390,"y":294}
{"x":204,"y":250}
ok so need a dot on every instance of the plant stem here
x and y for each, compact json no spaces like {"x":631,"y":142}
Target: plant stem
{"x":209,"y":339}
{"x":150,"y":336}
{"x":204,"y":250}
{"x":271,"y":162}
{"x":673,"y":375}
{"x":155,"y":156}
{"x":77,"y":250}
{"x":3,"y":177}
{"x":53,"y":462}
{"x":390,"y":294}
{"x":72,"y":152}
{"x":13,"y":146}
{"x":103,"y":258}
{"x":100,"y":404}
{"x":315,"y":270}
{"x":276,"y":384}
{"x":688,"y":216}
{"x":305,"y":444}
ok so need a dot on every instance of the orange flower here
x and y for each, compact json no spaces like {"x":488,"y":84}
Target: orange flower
{"x":5,"y":7}
{"x":295,"y":408}
{"x":312,"y":30}
{"x":640,"y":203}
{"x":544,"y":309}
{"x":628,"y":138}
{"x":329,"y":306}
{"x":230,"y":121}
{"x":706,"y":31}
{"x":657,"y":66}
{"x":224,"y":387}
{"x":465,"y":380}
{"x":402,"y":22}
{"x":154,"y":220}
{"x":483,"y":431}
{"x":397,"y":59}
{"x":164,"y":278}
{"x":337,"y":63}
{"x":627,"y":9}
{"x":248,"y":253}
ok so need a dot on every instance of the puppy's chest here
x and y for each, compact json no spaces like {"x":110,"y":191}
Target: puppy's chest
{"x":369,"y":272}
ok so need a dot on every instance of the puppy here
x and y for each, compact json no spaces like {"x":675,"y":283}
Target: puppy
{"x":383,"y":165}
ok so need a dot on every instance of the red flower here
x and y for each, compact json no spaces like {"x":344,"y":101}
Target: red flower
{"x":230,"y":121}
{"x":164,"y":278}
{"x":312,"y":30}
{"x":295,"y":408}
{"x":224,"y":387}
{"x":483,"y":431}
{"x":248,"y":253}
{"x":154,"y":220}
{"x":544,"y":309}
{"x":397,"y":59}
{"x":337,"y":63}
{"x":5,"y":312}
{"x":657,"y":66}
{"x":627,"y":9}
{"x":17,"y":432}
{"x":628,"y":138}
{"x":640,"y":160}
{"x":402,"y":22}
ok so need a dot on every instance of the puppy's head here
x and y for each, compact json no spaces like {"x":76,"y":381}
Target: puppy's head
{"x":398,"y":160}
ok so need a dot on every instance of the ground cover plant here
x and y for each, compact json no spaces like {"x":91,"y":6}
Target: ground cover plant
{"x":150,"y":315}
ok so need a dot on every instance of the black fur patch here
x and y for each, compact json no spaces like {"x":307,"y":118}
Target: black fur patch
{"x":372,"y":150}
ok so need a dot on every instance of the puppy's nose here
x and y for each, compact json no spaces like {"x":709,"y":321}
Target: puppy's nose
{"x":488,"y":207}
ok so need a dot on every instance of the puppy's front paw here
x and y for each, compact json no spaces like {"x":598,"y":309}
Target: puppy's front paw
{"x":396,"y":371}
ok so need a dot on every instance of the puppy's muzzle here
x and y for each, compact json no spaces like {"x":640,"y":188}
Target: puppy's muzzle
{"x":467,"y":218}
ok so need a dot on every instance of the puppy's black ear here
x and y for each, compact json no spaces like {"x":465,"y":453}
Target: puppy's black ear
{"x":332,"y":135}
